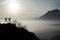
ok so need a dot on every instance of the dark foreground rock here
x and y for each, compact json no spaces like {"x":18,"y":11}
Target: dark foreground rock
{"x":10,"y":31}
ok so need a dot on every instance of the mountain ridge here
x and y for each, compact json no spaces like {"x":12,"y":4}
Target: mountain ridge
{"x":51,"y":15}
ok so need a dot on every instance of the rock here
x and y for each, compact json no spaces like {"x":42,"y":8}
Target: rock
{"x":10,"y":31}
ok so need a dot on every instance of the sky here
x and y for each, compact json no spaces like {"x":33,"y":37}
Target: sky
{"x":28,"y":9}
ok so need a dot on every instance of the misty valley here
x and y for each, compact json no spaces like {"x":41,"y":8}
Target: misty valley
{"x":30,"y":19}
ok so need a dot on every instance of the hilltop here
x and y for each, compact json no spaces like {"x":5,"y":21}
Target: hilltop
{"x":10,"y":31}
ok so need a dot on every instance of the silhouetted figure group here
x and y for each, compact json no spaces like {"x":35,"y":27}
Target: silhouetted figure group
{"x":8,"y":20}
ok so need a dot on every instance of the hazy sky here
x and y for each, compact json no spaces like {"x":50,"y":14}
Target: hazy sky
{"x":29,"y":8}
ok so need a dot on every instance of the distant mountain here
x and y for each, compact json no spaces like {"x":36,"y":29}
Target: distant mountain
{"x":51,"y":15}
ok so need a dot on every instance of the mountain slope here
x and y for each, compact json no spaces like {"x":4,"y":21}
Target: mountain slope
{"x":51,"y":15}
{"x":10,"y":31}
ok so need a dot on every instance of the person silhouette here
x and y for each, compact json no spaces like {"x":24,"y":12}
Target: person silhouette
{"x":9,"y":20}
{"x":5,"y":20}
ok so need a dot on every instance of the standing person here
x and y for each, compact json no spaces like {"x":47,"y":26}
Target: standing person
{"x":9,"y":20}
{"x":5,"y":20}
